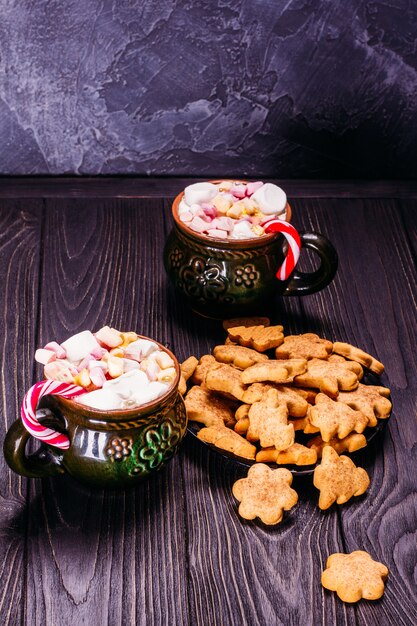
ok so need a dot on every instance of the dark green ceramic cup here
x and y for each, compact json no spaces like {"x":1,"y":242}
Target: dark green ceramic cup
{"x":229,"y":278}
{"x":108,"y":449}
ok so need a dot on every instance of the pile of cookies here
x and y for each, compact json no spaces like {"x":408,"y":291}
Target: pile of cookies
{"x":305,"y":404}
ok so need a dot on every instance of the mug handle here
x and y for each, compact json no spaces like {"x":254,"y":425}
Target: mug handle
{"x":304,"y":283}
{"x":45,"y":462}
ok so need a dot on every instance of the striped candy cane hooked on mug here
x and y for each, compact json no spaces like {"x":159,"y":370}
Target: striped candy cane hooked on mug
{"x":294,"y":246}
{"x":30,"y":403}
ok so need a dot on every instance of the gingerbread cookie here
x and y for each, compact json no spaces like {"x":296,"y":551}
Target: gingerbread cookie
{"x":268,"y":423}
{"x":296,"y":454}
{"x":354,"y":576}
{"x":329,"y":377}
{"x":334,"y":418}
{"x":261,"y":338}
{"x":199,"y":375}
{"x":245,"y":321}
{"x":265,"y":493}
{"x":338,"y":479}
{"x":225,"y":379}
{"x":294,"y":399}
{"x":274,"y":371}
{"x":358,"y":355}
{"x":206,"y":407}
{"x":351,"y":443}
{"x":372,"y":400}
{"x":239,"y":356}
{"x":226,"y":439}
{"x":306,"y":346}
{"x":187,"y":370}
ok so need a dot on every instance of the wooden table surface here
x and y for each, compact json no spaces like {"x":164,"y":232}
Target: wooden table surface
{"x":79,"y":254}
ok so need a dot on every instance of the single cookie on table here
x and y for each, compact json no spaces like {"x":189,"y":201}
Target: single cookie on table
{"x":354,"y":576}
{"x":199,"y":375}
{"x":239,"y":356}
{"x":296,"y":454}
{"x":329,"y":377}
{"x":265,"y":493}
{"x":294,"y":399}
{"x":226,"y":439}
{"x":334,"y":418}
{"x":372,"y":400}
{"x":306,"y":346}
{"x":356,"y":354}
{"x":225,"y":379}
{"x":274,"y":371}
{"x":187,"y":370}
{"x":351,"y":443}
{"x":268,"y":423}
{"x":261,"y":338}
{"x":246,"y":321}
{"x":206,"y":407}
{"x":338,"y":479}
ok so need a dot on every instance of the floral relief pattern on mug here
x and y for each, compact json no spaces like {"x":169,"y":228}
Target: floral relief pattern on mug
{"x":159,"y":445}
{"x":246,"y":276}
{"x":203,"y":280}
{"x":118,"y":449}
{"x":175,"y":258}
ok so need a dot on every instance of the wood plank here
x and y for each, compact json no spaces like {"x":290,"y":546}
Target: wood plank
{"x":159,"y":187}
{"x":20,"y":232}
{"x":93,"y":557}
{"x":372,"y":305}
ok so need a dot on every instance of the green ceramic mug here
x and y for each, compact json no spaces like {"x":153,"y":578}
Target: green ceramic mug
{"x":108,"y":449}
{"x":226,"y":278}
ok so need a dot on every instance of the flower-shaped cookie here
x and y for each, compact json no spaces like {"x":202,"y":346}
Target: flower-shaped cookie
{"x":354,"y":576}
{"x":265,"y":493}
{"x":329,"y":377}
{"x":307,"y":346}
{"x":335,"y":418}
{"x":338,"y":479}
{"x":372,"y":400}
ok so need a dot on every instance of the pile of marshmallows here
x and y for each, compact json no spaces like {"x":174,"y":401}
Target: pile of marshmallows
{"x":231,"y":209}
{"x":118,"y":370}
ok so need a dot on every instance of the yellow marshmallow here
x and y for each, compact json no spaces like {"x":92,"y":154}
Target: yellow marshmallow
{"x":222,"y":204}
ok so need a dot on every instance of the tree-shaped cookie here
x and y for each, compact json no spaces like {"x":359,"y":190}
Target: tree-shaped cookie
{"x":356,"y":354}
{"x":296,"y":454}
{"x":338,"y":479}
{"x":335,"y":418}
{"x":329,"y":377}
{"x":268,"y":423}
{"x":275,"y":371}
{"x":372,"y":400}
{"x":265,"y":493}
{"x":260,"y":338}
{"x":239,"y":356}
{"x":351,"y":443}
{"x":226,"y":439}
{"x":354,"y":576}
{"x":307,"y":346}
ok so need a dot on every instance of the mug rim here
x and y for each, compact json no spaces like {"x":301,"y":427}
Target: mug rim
{"x":250,"y":242}
{"x":123,"y":414}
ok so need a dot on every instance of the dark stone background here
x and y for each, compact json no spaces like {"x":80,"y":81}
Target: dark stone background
{"x":295,"y":88}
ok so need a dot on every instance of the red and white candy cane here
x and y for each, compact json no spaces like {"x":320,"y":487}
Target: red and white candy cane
{"x":30,"y":403}
{"x":294,"y":246}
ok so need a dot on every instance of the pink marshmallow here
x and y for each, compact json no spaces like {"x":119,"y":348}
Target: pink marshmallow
{"x":225,"y":223}
{"x":238,"y":190}
{"x":198,"y":225}
{"x":97,"y":377}
{"x":44,"y":356}
{"x":55,"y":347}
{"x":85,"y":363}
{"x":215,"y":232}
{"x":152,"y":369}
{"x":186,"y":216}
{"x":210,"y":212}
{"x":58,"y":370}
{"x":98,"y":353}
{"x":252,"y":187}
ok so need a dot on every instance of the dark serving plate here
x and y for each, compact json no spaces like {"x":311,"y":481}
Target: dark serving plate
{"x":299,"y":470}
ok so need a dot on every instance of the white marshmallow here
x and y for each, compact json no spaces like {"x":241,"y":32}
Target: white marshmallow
{"x":183,"y":207}
{"x":129,"y":365}
{"x":102,"y":399}
{"x":151,"y":392}
{"x":140,"y":349}
{"x":80,"y":345}
{"x":242,"y":230}
{"x":199,"y":192}
{"x":271,"y":199}
{"x":127,"y":384}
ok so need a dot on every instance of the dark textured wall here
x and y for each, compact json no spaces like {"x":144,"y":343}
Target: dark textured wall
{"x":303,"y":88}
